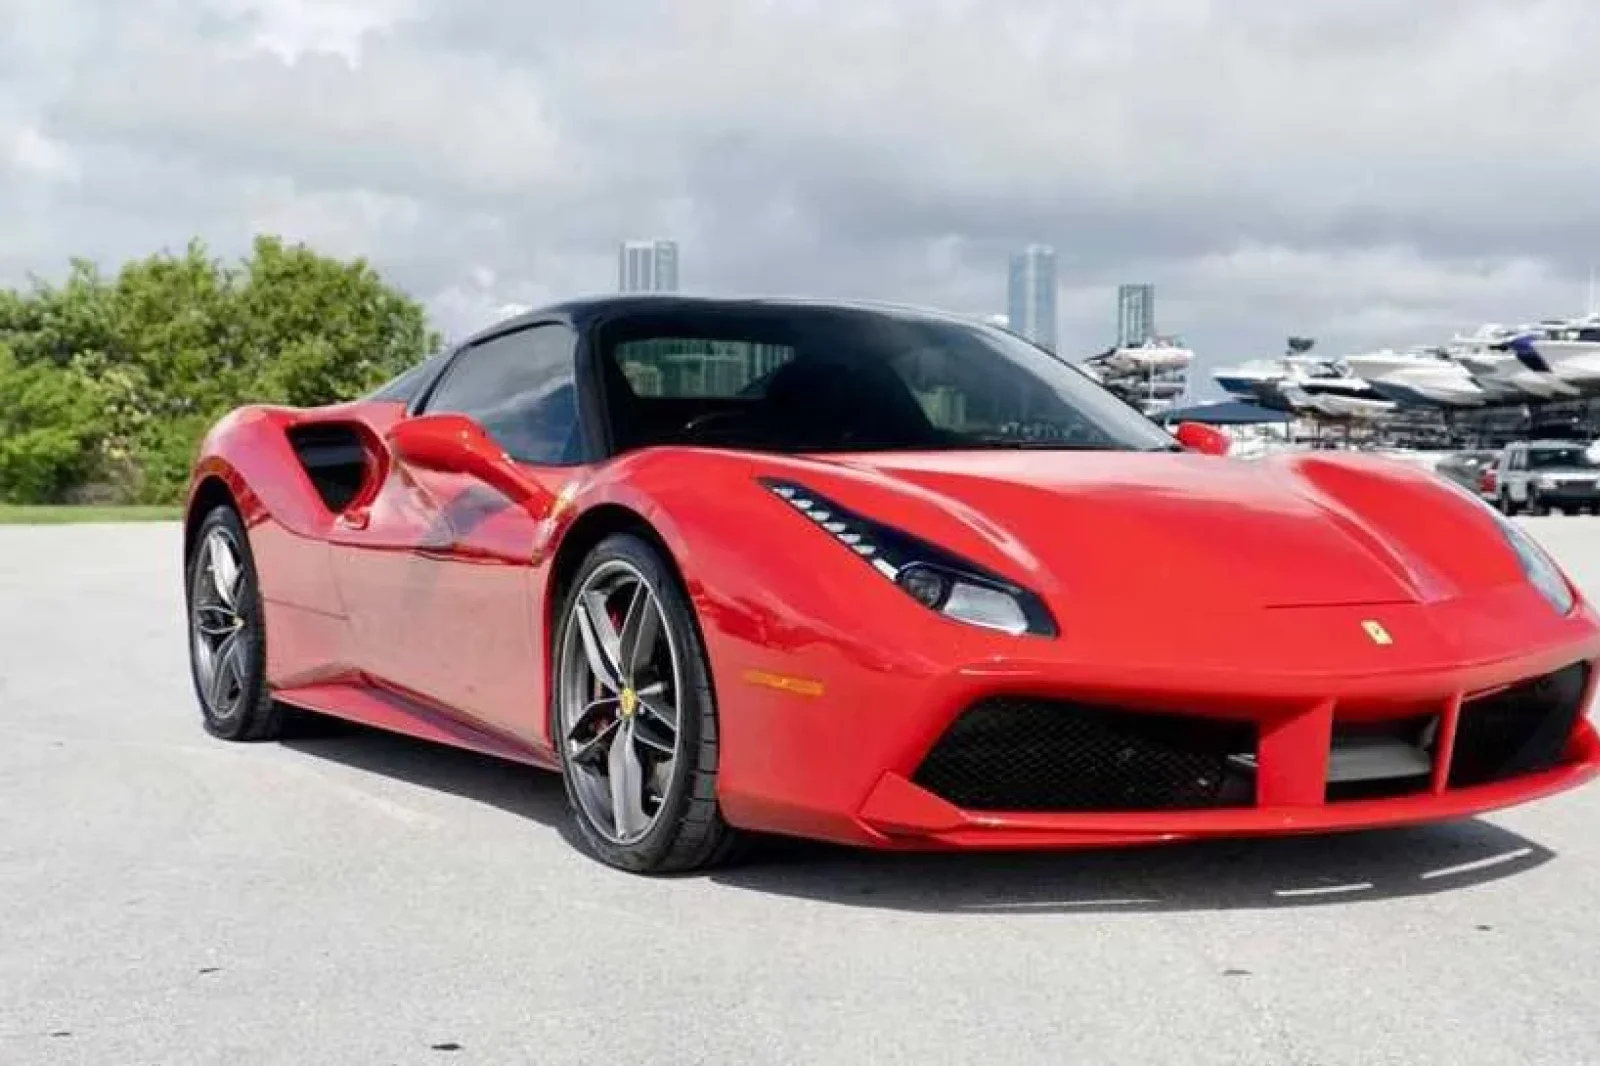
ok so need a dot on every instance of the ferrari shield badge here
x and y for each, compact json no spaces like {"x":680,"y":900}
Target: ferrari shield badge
{"x":1376,"y":631}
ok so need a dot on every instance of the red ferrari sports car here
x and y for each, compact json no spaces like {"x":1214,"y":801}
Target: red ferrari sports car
{"x":877,"y":576}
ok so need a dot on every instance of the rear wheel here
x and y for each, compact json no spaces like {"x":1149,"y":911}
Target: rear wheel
{"x":634,"y":718}
{"x":227,"y":633}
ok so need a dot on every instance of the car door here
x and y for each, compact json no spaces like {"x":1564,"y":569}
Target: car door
{"x":438,"y":581}
{"x":1516,"y":475}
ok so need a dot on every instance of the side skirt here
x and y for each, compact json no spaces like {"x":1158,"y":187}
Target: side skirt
{"x":381,"y":708}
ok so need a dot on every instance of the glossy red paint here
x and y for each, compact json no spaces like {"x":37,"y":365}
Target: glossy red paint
{"x":1181,"y":583}
{"x":452,"y":444}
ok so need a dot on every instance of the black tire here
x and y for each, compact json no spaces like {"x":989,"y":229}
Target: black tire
{"x":1507,"y":506}
{"x":689,"y":832}
{"x":249,"y":713}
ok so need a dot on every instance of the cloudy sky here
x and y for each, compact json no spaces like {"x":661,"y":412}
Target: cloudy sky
{"x":1368,"y":172}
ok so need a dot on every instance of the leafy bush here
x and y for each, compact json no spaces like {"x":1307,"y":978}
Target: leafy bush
{"x":108,"y":384}
{"x":49,"y":422}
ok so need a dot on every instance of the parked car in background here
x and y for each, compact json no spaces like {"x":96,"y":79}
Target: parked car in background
{"x":1539,"y":475}
{"x":1473,"y":470}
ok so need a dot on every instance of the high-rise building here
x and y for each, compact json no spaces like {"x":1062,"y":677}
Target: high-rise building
{"x":1031,"y":295}
{"x":1136,"y":314}
{"x":648,"y":266}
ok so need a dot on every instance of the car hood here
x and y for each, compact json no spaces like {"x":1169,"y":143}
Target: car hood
{"x":1155,"y":531}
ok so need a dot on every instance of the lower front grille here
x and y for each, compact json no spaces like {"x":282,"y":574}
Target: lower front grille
{"x":1519,"y":730}
{"x":1380,"y":759}
{"x":1015,"y":754}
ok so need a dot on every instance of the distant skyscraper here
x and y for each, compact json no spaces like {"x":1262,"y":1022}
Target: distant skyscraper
{"x":648,"y":266}
{"x":1031,"y":295}
{"x":1136,"y":314}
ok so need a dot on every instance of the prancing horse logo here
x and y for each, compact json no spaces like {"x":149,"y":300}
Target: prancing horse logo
{"x":1376,"y":631}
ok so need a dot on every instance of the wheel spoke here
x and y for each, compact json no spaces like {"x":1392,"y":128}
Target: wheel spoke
{"x":224,"y":569}
{"x":627,"y":783}
{"x":205,"y":663}
{"x":587,"y":752}
{"x":653,"y":734}
{"x":225,"y":669}
{"x":587,"y":716}
{"x":216,"y":621}
{"x":639,"y":631}
{"x":601,"y":642}
{"x":658,"y":707}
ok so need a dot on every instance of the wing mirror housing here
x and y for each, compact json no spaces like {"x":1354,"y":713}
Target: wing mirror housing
{"x":1199,"y":437}
{"x":455,"y":444}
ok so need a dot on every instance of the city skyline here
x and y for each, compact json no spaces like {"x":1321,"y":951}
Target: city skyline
{"x":1136,"y":314}
{"x":647,"y":266}
{"x":1031,"y":295}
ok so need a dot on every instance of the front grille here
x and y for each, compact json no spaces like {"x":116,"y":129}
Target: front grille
{"x":1519,"y":730}
{"x":1381,"y":759}
{"x":1016,"y":754}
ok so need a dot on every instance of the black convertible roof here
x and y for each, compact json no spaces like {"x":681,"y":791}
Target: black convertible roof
{"x":585,"y":310}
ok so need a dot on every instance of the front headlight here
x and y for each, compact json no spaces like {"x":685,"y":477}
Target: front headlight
{"x":1545,"y":482}
{"x":1543,"y":574}
{"x":1541,"y":571}
{"x":935,"y":578}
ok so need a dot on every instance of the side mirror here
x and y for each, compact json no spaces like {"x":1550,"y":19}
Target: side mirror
{"x":1199,"y":437}
{"x":455,"y":444}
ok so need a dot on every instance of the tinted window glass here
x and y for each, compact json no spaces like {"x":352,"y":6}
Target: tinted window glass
{"x":697,"y":366}
{"x":520,"y":388}
{"x":815,"y":378}
{"x":403,"y":386}
{"x":1546,"y":458}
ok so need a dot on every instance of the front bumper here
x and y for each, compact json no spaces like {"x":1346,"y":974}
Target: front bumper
{"x":845,"y":757}
{"x":1567,"y":493}
{"x":1298,"y":784}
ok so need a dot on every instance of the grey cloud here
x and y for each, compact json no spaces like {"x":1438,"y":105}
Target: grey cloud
{"x":1245,"y":156}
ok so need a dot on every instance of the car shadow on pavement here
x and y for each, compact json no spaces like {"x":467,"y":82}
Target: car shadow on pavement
{"x":1260,"y":873}
{"x":1240,"y":874}
{"x":525,"y":791}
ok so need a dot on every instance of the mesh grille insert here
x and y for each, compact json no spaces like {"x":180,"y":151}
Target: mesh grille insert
{"x":1018,"y":754}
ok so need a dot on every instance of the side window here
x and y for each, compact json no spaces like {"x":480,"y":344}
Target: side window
{"x":520,"y":388}
{"x":403,"y":386}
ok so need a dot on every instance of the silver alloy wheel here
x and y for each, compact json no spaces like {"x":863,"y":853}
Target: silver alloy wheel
{"x":619,"y":682}
{"x":220,"y":632}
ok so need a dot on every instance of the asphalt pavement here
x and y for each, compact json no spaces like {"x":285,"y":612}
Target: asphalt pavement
{"x":349,"y":898}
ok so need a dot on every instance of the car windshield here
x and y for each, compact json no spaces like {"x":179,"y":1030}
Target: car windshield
{"x":801,"y":378}
{"x":1576,"y":457}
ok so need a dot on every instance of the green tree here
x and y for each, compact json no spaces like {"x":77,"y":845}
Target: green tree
{"x":49,"y":424}
{"x":172,"y":342}
{"x":315,"y":329}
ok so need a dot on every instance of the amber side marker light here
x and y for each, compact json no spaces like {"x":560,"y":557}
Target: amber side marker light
{"x":798,"y":685}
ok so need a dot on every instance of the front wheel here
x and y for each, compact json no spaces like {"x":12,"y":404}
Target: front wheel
{"x":633,"y":715}
{"x":227,"y":633}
